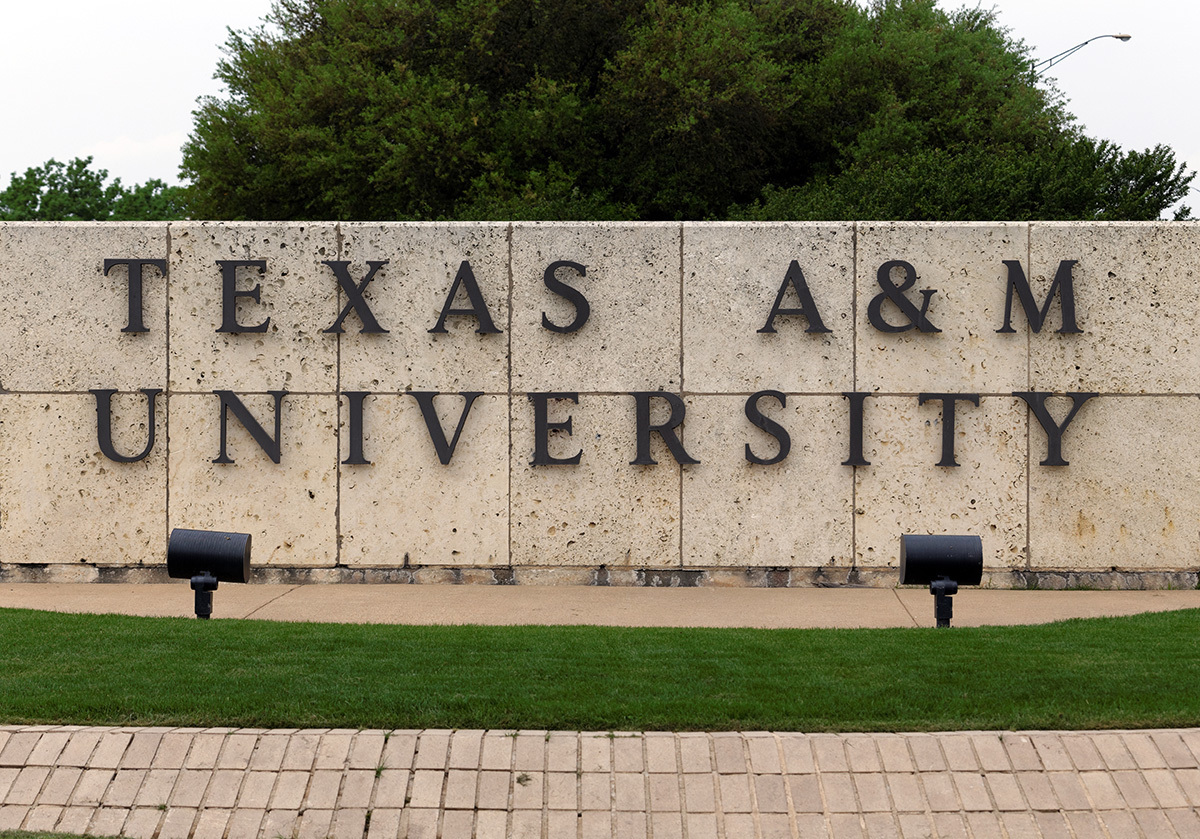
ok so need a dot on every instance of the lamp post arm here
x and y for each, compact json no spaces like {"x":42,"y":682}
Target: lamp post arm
{"x":1045,"y":64}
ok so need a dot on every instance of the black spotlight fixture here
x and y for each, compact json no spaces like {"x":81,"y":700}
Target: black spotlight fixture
{"x":943,"y":563}
{"x":208,"y":557}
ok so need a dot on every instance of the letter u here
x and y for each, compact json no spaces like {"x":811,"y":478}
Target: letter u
{"x":104,"y":424}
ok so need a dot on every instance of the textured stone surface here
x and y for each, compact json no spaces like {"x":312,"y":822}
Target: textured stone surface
{"x":63,"y":317}
{"x":602,"y":510}
{"x":408,"y":508}
{"x":289,"y":508}
{"x":61,"y":500}
{"x":964,"y":264}
{"x":631,"y":339}
{"x":796,"y":512}
{"x":1133,"y":287}
{"x":674,"y":307}
{"x":1127,"y":499}
{"x":902,"y":491}
{"x":297,"y":294}
{"x":732,"y":275}
{"x":407,"y":297}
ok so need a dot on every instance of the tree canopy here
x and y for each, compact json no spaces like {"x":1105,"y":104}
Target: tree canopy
{"x":667,"y":109}
{"x":75,"y":192}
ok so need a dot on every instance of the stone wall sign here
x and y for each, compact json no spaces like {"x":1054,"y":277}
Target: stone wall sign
{"x":758,"y":404}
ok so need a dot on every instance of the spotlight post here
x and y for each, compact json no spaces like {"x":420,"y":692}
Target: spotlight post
{"x":943,"y":563}
{"x":208,"y":557}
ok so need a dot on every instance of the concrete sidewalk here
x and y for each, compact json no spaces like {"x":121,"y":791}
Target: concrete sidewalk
{"x":615,"y":606}
{"x":313,"y":784}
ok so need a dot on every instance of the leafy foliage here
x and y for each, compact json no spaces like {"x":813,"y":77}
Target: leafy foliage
{"x":75,"y":192}
{"x":1081,"y":180}
{"x":667,"y":109}
{"x":151,"y":201}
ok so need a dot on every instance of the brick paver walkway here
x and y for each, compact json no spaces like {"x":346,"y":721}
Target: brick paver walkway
{"x":162,"y":783}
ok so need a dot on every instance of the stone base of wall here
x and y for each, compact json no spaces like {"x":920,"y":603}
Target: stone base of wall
{"x":824,"y":577}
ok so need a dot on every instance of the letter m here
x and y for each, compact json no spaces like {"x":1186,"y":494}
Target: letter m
{"x":1063,"y":284}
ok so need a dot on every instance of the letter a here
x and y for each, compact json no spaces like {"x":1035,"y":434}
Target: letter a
{"x":808,"y":307}
{"x":477,"y":310}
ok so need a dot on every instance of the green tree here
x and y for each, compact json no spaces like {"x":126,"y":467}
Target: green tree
{"x":667,"y":109}
{"x":1077,"y":180}
{"x":152,"y":201}
{"x":73,"y":191}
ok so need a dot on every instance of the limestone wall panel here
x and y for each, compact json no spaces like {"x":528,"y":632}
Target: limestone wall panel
{"x":408,"y":508}
{"x":602,"y":511}
{"x":903,"y":491}
{"x":732,"y":276}
{"x":62,"y":501}
{"x":1135,"y":304}
{"x":1127,"y":499}
{"x":297,"y":299}
{"x":964,"y":265}
{"x":407,"y":297}
{"x":632,"y":284}
{"x":63,"y":317}
{"x":793,"y":513}
{"x":288,"y":508}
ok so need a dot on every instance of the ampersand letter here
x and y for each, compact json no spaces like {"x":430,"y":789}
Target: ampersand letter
{"x":895,"y":293}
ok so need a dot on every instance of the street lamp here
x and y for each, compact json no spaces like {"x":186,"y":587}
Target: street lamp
{"x":1042,"y":66}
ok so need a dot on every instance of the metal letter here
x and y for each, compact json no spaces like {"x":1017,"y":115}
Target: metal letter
{"x":445,"y":450}
{"x":354,"y":400}
{"x":857,"y":401}
{"x":542,"y":428}
{"x":1036,"y":401}
{"x":269,"y":444}
{"x":895,"y":293}
{"x":795,"y":278}
{"x":948,"y":400}
{"x":1063,"y":284}
{"x":477,"y":310}
{"x":582,"y":309}
{"x":768,"y":425}
{"x":230,"y":294}
{"x":665,"y":430}
{"x":104,"y":424}
{"x":354,"y":296}
{"x":134,"y":267}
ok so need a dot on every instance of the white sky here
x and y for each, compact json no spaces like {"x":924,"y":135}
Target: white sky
{"x":116,"y":80}
{"x":119,"y":80}
{"x":1137,"y":93}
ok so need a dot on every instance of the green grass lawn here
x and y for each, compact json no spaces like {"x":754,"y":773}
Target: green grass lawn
{"x":1141,"y":671}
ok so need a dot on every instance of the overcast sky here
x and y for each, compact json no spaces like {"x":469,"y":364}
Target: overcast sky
{"x":119,"y":81}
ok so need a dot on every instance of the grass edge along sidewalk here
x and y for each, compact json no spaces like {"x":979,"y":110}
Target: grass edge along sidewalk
{"x":1129,"y":672}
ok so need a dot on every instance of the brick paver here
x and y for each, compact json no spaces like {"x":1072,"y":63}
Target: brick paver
{"x":230,"y":784}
